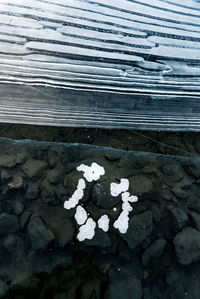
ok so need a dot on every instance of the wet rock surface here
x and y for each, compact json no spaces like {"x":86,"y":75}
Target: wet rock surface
{"x":157,"y":257}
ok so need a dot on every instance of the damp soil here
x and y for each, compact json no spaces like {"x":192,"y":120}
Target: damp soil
{"x":159,"y":255}
{"x":160,"y":142}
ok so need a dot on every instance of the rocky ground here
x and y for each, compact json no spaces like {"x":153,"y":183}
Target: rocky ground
{"x":157,"y":258}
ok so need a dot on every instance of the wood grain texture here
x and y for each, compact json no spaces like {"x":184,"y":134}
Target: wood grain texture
{"x":100,"y":63}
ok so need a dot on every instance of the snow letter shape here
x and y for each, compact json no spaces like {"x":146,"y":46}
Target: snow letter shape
{"x":77,"y":195}
{"x":91,"y":173}
{"x":122,"y":221}
{"x":103,"y":223}
{"x":116,"y":189}
{"x":87,"y":230}
{"x":81,"y":215}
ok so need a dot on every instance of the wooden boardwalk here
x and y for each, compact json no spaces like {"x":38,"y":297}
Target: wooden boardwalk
{"x":101,"y":63}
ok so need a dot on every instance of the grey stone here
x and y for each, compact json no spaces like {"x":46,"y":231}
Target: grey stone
{"x":27,"y":285}
{"x":126,"y":288}
{"x":10,"y":242}
{"x":156,"y":214}
{"x":197,"y":144}
{"x":18,"y":208}
{"x":10,"y":160}
{"x":100,"y":239}
{"x":24,"y":219}
{"x":101,"y":195}
{"x":187,"y":246}
{"x":3,"y":288}
{"x":113,"y":155}
{"x":153,"y":252}
{"x":34,"y":168}
{"x":140,"y":227}
{"x":54,"y":176}
{"x":61,"y":192}
{"x":62,"y":227}
{"x":5,"y":175}
{"x":32,"y":191}
{"x":47,"y":190}
{"x":177,"y":191}
{"x":174,"y":171}
{"x":40,"y":235}
{"x":8,"y":224}
{"x":178,"y":218}
{"x":195,"y":217}
{"x":140,"y":184}
{"x":172,"y":275}
{"x":186,"y":287}
{"x":193,"y":170}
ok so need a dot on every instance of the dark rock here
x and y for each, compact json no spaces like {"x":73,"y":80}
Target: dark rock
{"x":24,"y":219}
{"x":47,"y":190}
{"x":8,"y":224}
{"x":186,"y":287}
{"x":91,"y":289}
{"x":153,"y":253}
{"x":151,"y":169}
{"x":126,"y":288}
{"x":40,"y":235}
{"x":55,"y":175}
{"x":18,"y":208}
{"x":5,"y":175}
{"x":156,"y":214}
{"x":140,"y":227}
{"x":178,"y":218}
{"x":32,"y":191}
{"x":174,"y":171}
{"x":61,"y":192}
{"x":10,"y":160}
{"x":172,"y":275}
{"x":29,"y":284}
{"x":10,"y":242}
{"x":59,"y":224}
{"x":71,"y":181}
{"x":140,"y":184}
{"x":101,"y":195}
{"x":187,"y":246}
{"x":113,"y":155}
{"x":100,"y":239}
{"x":193,"y":170}
{"x":3,"y":288}
{"x":34,"y":168}
{"x":177,"y":191}
{"x":197,"y":144}
{"x":195,"y":217}
{"x":97,"y":212}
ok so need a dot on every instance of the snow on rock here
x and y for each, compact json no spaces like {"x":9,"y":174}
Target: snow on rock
{"x":103,"y":223}
{"x":77,"y":195}
{"x":93,"y":172}
{"x":87,"y":230}
{"x":122,"y":222}
{"x":81,"y":215}
{"x":116,"y":189}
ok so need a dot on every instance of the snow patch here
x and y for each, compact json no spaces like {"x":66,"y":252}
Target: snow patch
{"x":93,"y":172}
{"x":81,"y":215}
{"x":103,"y":223}
{"x":87,"y":231}
{"x":116,"y":189}
{"x":122,"y":221}
{"x":77,"y":195}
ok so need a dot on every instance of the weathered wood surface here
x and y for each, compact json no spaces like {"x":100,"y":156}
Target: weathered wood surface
{"x":125,"y":64}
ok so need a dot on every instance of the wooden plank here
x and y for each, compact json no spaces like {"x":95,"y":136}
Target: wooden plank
{"x":137,"y":63}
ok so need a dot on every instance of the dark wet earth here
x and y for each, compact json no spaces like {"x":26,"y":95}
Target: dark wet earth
{"x":41,"y":256}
